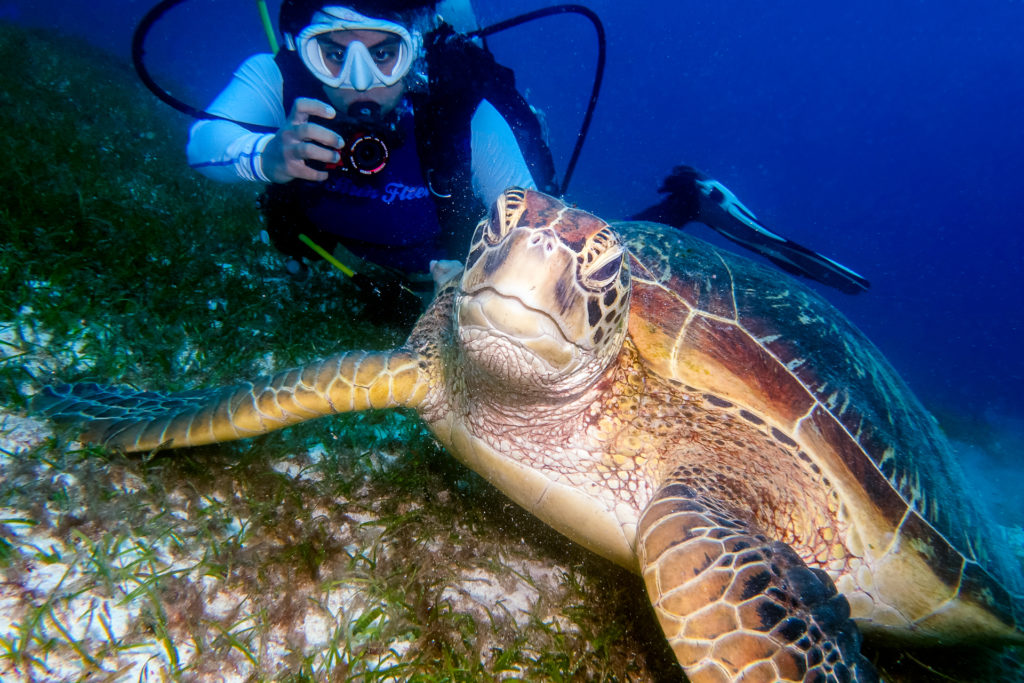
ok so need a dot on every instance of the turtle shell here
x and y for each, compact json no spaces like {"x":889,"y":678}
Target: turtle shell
{"x":743,"y":333}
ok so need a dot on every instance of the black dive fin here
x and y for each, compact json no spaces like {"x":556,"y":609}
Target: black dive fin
{"x":692,"y":196}
{"x":723,"y":212}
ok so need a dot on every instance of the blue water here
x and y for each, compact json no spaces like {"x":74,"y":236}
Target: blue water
{"x":887,"y":135}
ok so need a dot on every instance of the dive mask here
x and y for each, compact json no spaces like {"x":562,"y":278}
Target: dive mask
{"x":354,"y":67}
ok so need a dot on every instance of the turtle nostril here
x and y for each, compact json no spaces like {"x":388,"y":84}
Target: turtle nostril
{"x":544,"y":239}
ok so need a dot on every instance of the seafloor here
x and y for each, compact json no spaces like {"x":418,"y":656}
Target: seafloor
{"x":350,"y":548}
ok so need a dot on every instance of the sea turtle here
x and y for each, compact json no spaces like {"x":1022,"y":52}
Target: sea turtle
{"x":684,"y":412}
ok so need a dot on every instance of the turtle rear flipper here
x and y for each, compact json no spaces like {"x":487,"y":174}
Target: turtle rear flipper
{"x":734,"y":604}
{"x":143,"y":420}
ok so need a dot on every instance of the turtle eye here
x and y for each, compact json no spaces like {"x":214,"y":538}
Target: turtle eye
{"x":607,"y":272}
{"x":495,"y":229}
{"x":604,"y":272}
{"x":601,"y":260}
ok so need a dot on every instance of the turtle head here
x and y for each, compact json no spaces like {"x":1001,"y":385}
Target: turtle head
{"x":544,"y":299}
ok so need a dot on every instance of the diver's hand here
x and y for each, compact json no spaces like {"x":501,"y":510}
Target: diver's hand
{"x":284,"y":158}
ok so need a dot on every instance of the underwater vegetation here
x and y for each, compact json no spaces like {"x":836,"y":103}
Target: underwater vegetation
{"x":344,"y":550}
{"x":351,"y":548}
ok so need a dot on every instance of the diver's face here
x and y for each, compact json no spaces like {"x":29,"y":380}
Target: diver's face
{"x":383,"y":48}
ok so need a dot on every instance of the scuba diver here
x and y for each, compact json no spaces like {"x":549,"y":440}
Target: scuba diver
{"x":393,"y":133}
{"x":383,"y":131}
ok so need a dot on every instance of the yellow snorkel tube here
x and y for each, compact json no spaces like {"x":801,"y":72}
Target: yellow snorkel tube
{"x":390,"y":298}
{"x":268,"y":26}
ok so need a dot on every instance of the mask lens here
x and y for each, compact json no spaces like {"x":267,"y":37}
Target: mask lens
{"x":383,"y":55}
{"x":333,"y":54}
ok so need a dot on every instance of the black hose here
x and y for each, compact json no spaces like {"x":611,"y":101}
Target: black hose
{"x":598,"y":69}
{"x":138,"y":52}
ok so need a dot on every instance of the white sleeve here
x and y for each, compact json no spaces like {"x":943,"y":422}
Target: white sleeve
{"x":497,"y":162}
{"x":225,"y":151}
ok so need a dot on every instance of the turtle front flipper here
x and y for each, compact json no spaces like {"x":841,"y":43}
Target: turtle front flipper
{"x":735,"y":605}
{"x":143,"y":420}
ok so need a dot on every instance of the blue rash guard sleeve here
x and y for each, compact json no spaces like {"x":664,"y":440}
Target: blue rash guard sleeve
{"x":225,"y":151}
{"x":497,"y":162}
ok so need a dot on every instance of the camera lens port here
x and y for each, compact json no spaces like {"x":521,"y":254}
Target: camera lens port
{"x":367,"y":154}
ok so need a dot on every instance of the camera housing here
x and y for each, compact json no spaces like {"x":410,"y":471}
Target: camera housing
{"x":369,"y":139}
{"x":364,"y":153}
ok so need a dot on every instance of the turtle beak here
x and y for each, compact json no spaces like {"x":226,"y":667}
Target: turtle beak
{"x":489,"y":313}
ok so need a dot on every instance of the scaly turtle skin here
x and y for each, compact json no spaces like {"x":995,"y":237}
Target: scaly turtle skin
{"x":684,"y":412}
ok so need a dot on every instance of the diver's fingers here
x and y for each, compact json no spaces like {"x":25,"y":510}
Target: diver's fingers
{"x":285,"y":155}
{"x":313,"y":152}
{"x":305,"y":107}
{"x":300,"y":126}
{"x":314,"y":132}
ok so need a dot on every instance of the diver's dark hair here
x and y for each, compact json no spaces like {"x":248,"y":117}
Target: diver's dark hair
{"x":296,"y":14}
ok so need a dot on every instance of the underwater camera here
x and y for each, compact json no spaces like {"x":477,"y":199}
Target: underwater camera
{"x":364,"y":153}
{"x":368,"y":141}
